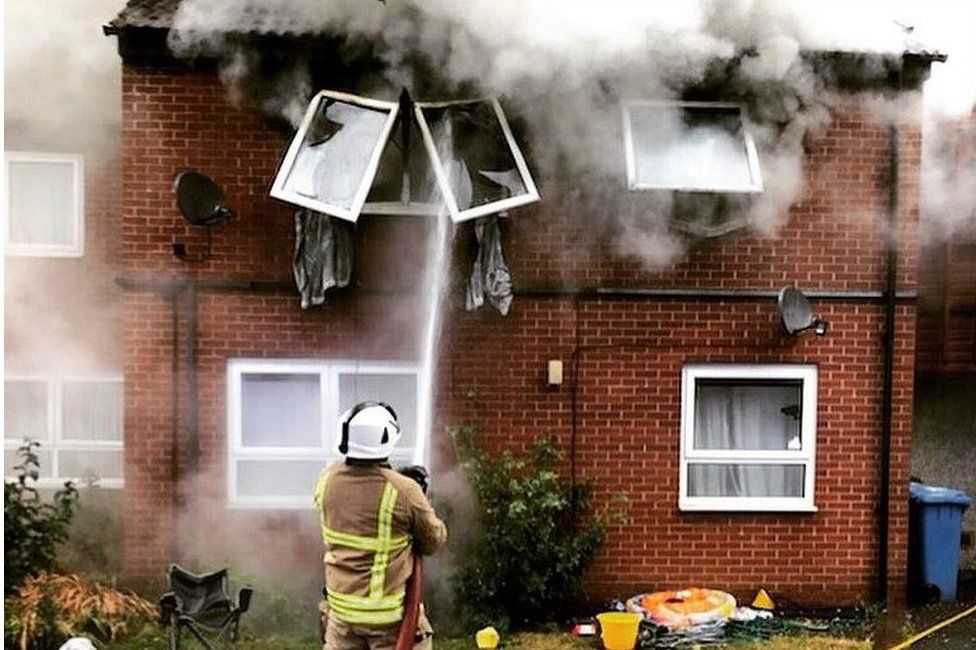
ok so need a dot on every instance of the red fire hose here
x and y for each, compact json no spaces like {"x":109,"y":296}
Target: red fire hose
{"x":411,"y":606}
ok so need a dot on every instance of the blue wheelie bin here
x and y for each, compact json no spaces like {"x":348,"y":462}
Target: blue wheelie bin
{"x":934,"y":533}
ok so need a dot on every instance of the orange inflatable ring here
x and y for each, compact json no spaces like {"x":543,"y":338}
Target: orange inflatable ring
{"x":684,"y":608}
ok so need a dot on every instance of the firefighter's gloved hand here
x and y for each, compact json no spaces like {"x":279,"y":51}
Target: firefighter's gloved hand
{"x":418,"y":473}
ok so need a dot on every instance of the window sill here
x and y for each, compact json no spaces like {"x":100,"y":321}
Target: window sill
{"x":754,"y":507}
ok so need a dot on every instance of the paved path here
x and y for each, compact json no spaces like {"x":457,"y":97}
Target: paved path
{"x":961,"y":635}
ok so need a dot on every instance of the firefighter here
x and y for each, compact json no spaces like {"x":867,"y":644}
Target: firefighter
{"x":373,"y":520}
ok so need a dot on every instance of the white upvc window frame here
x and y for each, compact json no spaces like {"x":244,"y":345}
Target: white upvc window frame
{"x":77,"y":247}
{"x":55,"y":441}
{"x":328,"y":372}
{"x":278,"y":189}
{"x":443,"y":182}
{"x":752,"y":156}
{"x":806,"y":456}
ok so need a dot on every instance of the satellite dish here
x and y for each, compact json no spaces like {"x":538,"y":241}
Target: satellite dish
{"x":200,"y":199}
{"x":797,"y":315}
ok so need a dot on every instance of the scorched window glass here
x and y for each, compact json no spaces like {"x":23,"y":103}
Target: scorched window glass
{"x":748,"y":437}
{"x":78,"y":423}
{"x":332,"y":160}
{"x":689,"y":146}
{"x":479,"y":167}
{"x":282,"y":422}
{"x":44,"y":209}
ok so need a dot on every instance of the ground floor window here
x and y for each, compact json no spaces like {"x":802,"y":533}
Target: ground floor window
{"x":77,"y":421}
{"x":748,"y":437}
{"x":283,"y":422}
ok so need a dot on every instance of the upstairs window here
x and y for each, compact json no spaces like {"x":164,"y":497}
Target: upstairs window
{"x":44,"y":209}
{"x":78,"y":423}
{"x":748,"y":437}
{"x":283,"y":422}
{"x":689,"y":147}
{"x":479,"y":167}
{"x":347,"y":151}
{"x":332,"y":160}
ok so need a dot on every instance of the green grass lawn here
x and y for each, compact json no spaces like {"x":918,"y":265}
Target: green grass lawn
{"x":152,"y":638}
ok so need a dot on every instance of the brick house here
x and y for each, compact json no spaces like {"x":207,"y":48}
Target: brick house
{"x":209,"y":344}
{"x":63,"y":360}
{"x":944,"y":446}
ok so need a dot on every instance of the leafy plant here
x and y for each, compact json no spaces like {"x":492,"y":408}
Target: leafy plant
{"x":527,"y":565}
{"x":33,"y":528}
{"x":50,"y":608}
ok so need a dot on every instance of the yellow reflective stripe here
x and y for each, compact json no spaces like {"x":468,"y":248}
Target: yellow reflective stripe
{"x":365,"y":603}
{"x":384,"y":528}
{"x":379,"y":617}
{"x":358,"y":542}
{"x":319,"y":498}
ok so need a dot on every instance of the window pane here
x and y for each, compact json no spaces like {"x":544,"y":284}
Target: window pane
{"x":692,"y":148}
{"x":91,"y":410}
{"x":278,"y":478}
{"x":740,"y":480}
{"x":10,"y":458}
{"x":281,"y":410}
{"x":336,"y":149}
{"x":740,"y":415}
{"x":83,"y":464}
{"x":25,"y":410}
{"x":397,"y":390}
{"x":476,"y":154}
{"x":42,"y":203}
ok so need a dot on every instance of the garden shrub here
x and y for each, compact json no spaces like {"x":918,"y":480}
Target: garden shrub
{"x":536,"y":538}
{"x":33,"y":528}
{"x":49,"y":608}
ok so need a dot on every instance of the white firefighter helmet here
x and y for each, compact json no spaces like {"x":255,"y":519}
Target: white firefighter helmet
{"x":368,"y":431}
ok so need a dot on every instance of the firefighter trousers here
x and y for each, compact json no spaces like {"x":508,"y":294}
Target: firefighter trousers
{"x":340,"y":635}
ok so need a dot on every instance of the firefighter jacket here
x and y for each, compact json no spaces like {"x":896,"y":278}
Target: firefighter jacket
{"x":373,"y":520}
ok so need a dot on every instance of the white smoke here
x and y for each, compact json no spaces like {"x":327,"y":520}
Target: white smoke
{"x":564,"y":66}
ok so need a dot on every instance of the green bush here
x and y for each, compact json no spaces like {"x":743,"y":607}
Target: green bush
{"x":33,"y":528}
{"x":526,"y":566}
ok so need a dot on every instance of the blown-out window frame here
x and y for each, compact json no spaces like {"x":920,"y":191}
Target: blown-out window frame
{"x":752,"y":156}
{"x":806,"y":456}
{"x":531,"y":194}
{"x":328,"y":372}
{"x":278,"y":188}
{"x":77,"y":246}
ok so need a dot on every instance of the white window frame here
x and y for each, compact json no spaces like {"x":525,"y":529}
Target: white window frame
{"x":328,"y":372}
{"x":278,"y":189}
{"x":752,"y":156}
{"x":77,"y":247}
{"x":806,"y":456}
{"x":55,"y":441}
{"x":457,"y":215}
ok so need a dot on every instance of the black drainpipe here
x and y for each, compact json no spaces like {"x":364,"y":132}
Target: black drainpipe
{"x":891,"y":285}
{"x":192,"y":424}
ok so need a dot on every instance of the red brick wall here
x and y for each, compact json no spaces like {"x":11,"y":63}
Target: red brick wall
{"x":631,"y":350}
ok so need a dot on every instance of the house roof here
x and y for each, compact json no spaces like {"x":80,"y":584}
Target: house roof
{"x":152,"y":14}
{"x":253,"y":18}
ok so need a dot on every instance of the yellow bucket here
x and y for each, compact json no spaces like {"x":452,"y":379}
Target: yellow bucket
{"x":619,"y":630}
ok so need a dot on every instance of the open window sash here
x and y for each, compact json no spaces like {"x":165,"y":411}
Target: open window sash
{"x":709,"y":150}
{"x":332,"y":160}
{"x":479,"y":167}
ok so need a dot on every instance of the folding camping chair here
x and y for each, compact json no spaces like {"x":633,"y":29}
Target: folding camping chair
{"x":202,"y":604}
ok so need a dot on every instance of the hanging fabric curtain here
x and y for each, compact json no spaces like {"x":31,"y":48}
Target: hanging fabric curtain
{"x":746,"y":418}
{"x":489,"y":274}
{"x":323,"y":256}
